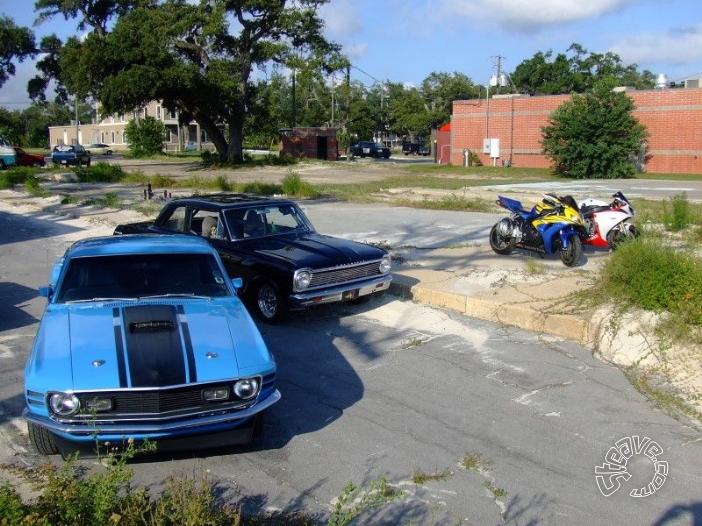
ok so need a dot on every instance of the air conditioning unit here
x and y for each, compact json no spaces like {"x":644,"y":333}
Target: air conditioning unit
{"x":693,"y":83}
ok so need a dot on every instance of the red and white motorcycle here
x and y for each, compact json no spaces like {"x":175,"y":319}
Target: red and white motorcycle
{"x":607,"y":224}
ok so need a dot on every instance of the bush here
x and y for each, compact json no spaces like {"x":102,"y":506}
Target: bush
{"x":648,"y":274}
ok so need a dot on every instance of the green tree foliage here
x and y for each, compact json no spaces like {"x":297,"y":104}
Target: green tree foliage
{"x":594,"y":136}
{"x":195,"y":57}
{"x":16,"y":44}
{"x":145,"y":136}
{"x":576,"y":71}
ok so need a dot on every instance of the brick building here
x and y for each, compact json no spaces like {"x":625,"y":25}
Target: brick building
{"x":673,"y":118}
{"x":315,"y":143}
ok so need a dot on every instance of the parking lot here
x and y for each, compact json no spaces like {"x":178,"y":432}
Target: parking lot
{"x":394,"y":389}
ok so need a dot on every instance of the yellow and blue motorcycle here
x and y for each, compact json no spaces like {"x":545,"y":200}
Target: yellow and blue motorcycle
{"x":552,"y":225}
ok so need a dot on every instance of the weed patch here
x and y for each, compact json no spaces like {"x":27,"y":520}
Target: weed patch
{"x":657,"y":277}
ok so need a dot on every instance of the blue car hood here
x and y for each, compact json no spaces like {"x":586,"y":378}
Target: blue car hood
{"x":315,"y":250}
{"x":128,"y":345}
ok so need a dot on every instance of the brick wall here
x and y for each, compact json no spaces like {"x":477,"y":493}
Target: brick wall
{"x":314,"y":143}
{"x":673,"y":118}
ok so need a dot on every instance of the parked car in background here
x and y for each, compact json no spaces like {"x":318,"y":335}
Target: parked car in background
{"x":99,"y":148}
{"x":70,"y":155}
{"x":145,"y":338}
{"x":271,"y":245}
{"x":8,"y":156}
{"x":370,"y":149}
{"x":415,"y":148}
{"x":28,"y":159}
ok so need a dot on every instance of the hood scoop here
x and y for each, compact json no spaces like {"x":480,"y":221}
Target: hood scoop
{"x":151,"y":326}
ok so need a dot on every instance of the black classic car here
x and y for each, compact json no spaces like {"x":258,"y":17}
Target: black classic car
{"x":270,"y":243}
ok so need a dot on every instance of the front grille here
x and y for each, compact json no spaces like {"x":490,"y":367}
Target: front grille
{"x":350,"y":273}
{"x":163,"y":404}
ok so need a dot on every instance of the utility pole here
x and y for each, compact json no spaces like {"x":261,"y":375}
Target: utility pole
{"x":348,"y":112}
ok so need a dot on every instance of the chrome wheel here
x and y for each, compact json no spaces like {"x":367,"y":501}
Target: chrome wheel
{"x":269,"y":304}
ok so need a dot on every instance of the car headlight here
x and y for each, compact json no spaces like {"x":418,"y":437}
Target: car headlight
{"x":247,"y":388}
{"x":385,"y":265}
{"x":301,"y":279}
{"x":64,"y":404}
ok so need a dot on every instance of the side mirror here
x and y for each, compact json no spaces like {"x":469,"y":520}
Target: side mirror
{"x":46,"y":292}
{"x":237,"y":283}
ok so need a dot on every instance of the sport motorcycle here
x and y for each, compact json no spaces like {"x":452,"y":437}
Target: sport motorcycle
{"x":552,"y":225}
{"x":608,"y":224}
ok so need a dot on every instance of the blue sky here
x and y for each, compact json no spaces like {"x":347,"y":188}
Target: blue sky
{"x":405,"y":40}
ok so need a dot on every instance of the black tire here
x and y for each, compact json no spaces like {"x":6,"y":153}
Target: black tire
{"x":87,"y":164}
{"x":617,"y":237}
{"x":2,"y":165}
{"x":42,"y":440}
{"x":499,"y":244}
{"x":257,"y":426}
{"x":571,"y":256}
{"x":270,"y":306}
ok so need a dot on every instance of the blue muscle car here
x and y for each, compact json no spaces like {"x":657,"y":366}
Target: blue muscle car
{"x":144,"y":338}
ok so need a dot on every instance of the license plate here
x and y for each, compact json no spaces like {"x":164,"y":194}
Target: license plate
{"x":350,"y":294}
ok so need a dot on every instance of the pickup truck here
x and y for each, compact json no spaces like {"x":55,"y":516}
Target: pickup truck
{"x":73,"y":154}
{"x":415,"y":148}
{"x":271,"y":245}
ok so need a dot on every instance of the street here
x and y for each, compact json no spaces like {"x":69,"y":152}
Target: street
{"x":392,"y":390}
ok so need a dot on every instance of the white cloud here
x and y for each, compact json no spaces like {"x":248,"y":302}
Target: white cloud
{"x":342,"y":19}
{"x":679,"y":47}
{"x":526,"y":16}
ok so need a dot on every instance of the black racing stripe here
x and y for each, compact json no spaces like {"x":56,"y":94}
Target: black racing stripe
{"x":188,"y":342}
{"x":119,"y":348}
{"x":154,"y":346}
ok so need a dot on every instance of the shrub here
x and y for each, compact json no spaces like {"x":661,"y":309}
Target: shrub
{"x":648,"y":274}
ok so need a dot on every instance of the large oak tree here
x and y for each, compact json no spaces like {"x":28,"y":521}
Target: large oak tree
{"x":198,"y":58}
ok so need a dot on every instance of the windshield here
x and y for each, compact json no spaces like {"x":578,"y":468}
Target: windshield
{"x":267,"y":220}
{"x":140,"y":275}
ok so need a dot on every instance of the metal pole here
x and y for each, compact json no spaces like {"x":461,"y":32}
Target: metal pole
{"x":76,"y":108}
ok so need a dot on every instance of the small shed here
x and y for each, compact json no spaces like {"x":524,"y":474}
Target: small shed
{"x":315,"y":143}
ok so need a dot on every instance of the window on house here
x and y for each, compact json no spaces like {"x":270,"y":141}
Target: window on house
{"x":174,"y":114}
{"x":146,"y":111}
{"x":158,"y":113}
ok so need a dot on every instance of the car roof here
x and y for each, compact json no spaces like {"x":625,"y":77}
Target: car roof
{"x":139,"y":244}
{"x":231,"y":200}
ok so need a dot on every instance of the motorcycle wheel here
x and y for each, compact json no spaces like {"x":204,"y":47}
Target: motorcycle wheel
{"x":571,"y":256}
{"x":617,"y":237}
{"x":499,"y":244}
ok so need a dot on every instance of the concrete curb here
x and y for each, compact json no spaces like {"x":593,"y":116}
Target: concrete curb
{"x":521,"y":316}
